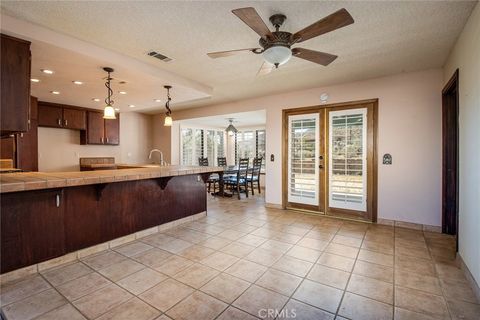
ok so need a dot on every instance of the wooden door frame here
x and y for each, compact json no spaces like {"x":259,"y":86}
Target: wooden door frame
{"x":371,"y":144}
{"x":452,"y":84}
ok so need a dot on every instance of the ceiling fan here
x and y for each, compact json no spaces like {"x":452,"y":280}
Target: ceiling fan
{"x":276,"y":46}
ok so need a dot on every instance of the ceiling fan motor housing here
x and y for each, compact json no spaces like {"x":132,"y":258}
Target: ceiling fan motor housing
{"x":280,"y":38}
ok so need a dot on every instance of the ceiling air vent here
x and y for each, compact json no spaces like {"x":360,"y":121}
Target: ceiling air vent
{"x":159,"y":56}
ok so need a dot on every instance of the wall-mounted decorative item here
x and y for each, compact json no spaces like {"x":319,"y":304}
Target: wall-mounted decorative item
{"x":387,"y":158}
{"x":324,"y":97}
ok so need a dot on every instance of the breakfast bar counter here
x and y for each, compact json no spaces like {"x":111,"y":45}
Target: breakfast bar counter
{"x":46,"y":215}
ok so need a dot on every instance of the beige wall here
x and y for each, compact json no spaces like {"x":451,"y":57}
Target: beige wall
{"x":59,"y":149}
{"x":161,"y":139}
{"x":466,"y":57}
{"x":409,"y":129}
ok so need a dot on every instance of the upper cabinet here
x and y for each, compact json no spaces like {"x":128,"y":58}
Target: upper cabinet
{"x":59,"y":116}
{"x":15,"y":85}
{"x":101,"y":131}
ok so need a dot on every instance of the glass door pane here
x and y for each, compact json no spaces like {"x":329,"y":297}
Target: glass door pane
{"x":348,"y":159}
{"x":303,"y":155}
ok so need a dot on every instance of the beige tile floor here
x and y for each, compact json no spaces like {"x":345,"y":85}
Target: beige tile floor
{"x":244,"y":261}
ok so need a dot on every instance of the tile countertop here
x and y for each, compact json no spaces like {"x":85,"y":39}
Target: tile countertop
{"x":22,"y":181}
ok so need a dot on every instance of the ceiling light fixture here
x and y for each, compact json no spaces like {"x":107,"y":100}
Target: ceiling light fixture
{"x":77,"y":82}
{"x":131,"y":105}
{"x":231,"y":130}
{"x":95,"y":99}
{"x":122,"y":92}
{"x":157,"y":100}
{"x":46,"y":71}
{"x":168,"y":117}
{"x":35,"y":80}
{"x":117,"y":109}
{"x":277,"y":55}
{"x":55,"y":92}
{"x":109,"y":112}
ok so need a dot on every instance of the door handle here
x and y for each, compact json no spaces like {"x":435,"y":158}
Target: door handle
{"x":107,"y":139}
{"x":101,"y":139}
{"x":65,"y":122}
{"x":59,"y":121}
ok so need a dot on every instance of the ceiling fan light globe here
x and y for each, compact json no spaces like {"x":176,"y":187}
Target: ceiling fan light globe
{"x":277,"y":55}
{"x":109,"y":113}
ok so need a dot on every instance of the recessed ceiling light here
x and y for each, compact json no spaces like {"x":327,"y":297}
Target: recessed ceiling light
{"x":47,"y":71}
{"x":157,"y":100}
{"x":34,"y":80}
{"x":117,"y":109}
{"x":131,"y":105}
{"x":122,"y":92}
{"x":95,"y":99}
{"x":77,"y":82}
{"x":55,"y":92}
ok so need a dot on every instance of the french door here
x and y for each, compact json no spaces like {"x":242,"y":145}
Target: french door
{"x":329,"y":156}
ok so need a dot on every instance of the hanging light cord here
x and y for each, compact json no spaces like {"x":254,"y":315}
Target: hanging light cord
{"x":109,"y":100}
{"x":167,"y":104}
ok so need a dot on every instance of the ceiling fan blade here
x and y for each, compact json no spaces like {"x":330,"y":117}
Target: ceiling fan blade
{"x":336,"y":20}
{"x":222,"y":54}
{"x":266,"y":68}
{"x":253,"y":20}
{"x":314,"y":56}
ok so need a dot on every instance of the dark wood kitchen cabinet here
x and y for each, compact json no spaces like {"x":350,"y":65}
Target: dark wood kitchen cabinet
{"x":112,"y":131}
{"x":32,"y":227}
{"x":27,"y":143}
{"x":22,"y":148}
{"x":101,"y":131}
{"x":15,"y":85}
{"x":60,"y":116}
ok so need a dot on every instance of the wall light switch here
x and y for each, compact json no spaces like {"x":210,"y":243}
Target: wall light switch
{"x":272,"y":157}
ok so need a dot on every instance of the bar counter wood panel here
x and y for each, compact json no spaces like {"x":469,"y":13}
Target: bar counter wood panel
{"x":34,"y":229}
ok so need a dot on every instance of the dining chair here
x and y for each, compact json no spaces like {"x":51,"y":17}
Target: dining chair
{"x":254,"y":176}
{"x":213,"y":178}
{"x":222,"y":161}
{"x":239,"y":181}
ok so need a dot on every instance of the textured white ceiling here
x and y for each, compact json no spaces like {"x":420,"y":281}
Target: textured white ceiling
{"x":387,"y":38}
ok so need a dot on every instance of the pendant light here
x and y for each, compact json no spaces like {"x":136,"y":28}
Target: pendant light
{"x":168,"y":118}
{"x":231,"y":129}
{"x":109,"y":111}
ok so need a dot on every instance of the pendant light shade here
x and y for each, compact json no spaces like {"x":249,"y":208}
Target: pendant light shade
{"x":231,"y":129}
{"x":109,"y":111}
{"x":168,"y":121}
{"x":168,"y":117}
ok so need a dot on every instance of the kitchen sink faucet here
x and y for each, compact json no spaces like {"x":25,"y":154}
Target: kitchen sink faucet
{"x":162,"y":162}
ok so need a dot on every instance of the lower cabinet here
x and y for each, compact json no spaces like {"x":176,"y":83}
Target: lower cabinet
{"x":40,"y":225}
{"x":32,"y":227}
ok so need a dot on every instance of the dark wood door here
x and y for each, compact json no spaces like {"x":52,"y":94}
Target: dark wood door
{"x":32,"y":228}
{"x":15,"y":85}
{"x":27,"y":143}
{"x":450,"y":156}
{"x":95,"y":128}
{"x":112,"y":131}
{"x":50,"y":116}
{"x":74,"y":119}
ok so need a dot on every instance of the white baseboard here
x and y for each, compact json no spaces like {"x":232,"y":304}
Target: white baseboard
{"x":469,"y":276}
